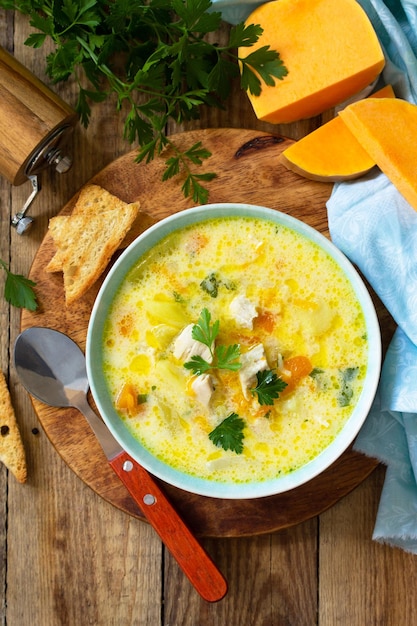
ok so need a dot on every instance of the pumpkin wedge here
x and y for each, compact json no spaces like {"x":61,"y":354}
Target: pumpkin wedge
{"x":329,"y":48}
{"x":387,"y":129}
{"x":331,"y":153}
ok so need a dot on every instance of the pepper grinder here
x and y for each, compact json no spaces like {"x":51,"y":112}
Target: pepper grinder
{"x":35,"y":125}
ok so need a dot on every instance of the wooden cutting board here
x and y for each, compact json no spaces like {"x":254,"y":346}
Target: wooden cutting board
{"x":248,"y":171}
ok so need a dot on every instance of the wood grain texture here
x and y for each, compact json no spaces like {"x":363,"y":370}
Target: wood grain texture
{"x":282,"y":591}
{"x":248,"y":171}
{"x":69,"y":557}
{"x":37,"y":112}
{"x":374,"y":580}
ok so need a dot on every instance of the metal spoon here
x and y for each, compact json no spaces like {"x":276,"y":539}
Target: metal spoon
{"x":52,"y":368}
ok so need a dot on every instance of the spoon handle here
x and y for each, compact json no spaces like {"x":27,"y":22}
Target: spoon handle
{"x":183,"y":545}
{"x":196,"y":564}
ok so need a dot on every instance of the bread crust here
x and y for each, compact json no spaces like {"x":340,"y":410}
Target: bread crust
{"x":12,"y":451}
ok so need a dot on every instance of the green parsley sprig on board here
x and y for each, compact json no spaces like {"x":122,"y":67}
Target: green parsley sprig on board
{"x":18,"y":290}
{"x":169,"y":67}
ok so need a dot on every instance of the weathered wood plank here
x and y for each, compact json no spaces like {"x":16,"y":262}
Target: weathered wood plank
{"x":272,"y":578}
{"x":361,"y":581}
{"x":74,"y":559}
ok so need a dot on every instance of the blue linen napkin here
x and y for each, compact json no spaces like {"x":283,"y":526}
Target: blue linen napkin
{"x":376,"y":228}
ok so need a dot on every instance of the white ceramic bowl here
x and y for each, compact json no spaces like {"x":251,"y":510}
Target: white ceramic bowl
{"x":184,"y":481}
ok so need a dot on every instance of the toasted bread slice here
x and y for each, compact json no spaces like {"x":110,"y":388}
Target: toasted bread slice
{"x":96,"y":199}
{"x":92,"y":200}
{"x":87,"y":242}
{"x":58,"y":233}
{"x":12,"y":452}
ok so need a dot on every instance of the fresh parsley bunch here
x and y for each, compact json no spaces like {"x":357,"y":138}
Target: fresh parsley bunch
{"x":156,"y":58}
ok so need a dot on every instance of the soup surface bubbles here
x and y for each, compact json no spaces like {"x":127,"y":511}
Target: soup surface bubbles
{"x":235,"y":350}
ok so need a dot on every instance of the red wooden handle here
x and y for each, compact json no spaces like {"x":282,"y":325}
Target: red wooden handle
{"x":196,"y":564}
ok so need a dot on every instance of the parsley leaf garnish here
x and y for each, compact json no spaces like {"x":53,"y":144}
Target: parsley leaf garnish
{"x":223,"y":357}
{"x":157,"y":60}
{"x":198,"y":365}
{"x":269,"y":387}
{"x":204,"y":331}
{"x":227,"y":357}
{"x":210,"y":284}
{"x":18,"y":290}
{"x":347,"y":375}
{"x":229,"y":434}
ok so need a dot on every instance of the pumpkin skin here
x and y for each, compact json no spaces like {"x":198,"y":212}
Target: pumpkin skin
{"x":329,"y":48}
{"x":387,"y":129}
{"x":331,"y":153}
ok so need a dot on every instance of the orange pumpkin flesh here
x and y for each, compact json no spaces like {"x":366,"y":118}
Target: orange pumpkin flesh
{"x":387,"y":129}
{"x":331,"y":153}
{"x":329,"y":48}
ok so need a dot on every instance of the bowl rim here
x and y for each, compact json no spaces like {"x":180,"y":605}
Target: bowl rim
{"x":158,"y":468}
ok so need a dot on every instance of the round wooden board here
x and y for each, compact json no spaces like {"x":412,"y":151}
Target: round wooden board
{"x":248,"y":171}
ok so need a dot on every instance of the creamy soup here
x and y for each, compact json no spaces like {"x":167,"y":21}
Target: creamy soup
{"x":235,"y":350}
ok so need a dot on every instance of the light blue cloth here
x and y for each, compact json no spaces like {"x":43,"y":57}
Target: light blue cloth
{"x":376,"y":228}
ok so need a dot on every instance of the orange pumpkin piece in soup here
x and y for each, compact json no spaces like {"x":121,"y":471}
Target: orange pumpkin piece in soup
{"x":295,"y":369}
{"x":128,"y":399}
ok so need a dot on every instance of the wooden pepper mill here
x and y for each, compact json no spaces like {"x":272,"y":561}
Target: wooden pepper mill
{"x":34,"y":126}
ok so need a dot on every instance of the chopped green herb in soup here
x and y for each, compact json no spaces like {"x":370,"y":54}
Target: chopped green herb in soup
{"x":235,"y":350}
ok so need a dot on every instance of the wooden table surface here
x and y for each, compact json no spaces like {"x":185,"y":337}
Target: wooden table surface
{"x":69,"y":558}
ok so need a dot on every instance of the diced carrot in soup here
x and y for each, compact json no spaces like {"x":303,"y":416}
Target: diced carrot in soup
{"x":298,"y":367}
{"x":127,"y":400}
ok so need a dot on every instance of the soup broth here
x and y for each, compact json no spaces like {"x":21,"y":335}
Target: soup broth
{"x":235,"y":350}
